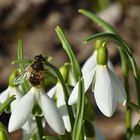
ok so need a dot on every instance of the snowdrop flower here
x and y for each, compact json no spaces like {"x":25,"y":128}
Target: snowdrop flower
{"x":58,"y":93}
{"x":108,"y":89}
{"x":29,"y":128}
{"x":21,"y":113}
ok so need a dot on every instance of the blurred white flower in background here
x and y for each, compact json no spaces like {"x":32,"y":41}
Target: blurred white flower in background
{"x":58,"y":93}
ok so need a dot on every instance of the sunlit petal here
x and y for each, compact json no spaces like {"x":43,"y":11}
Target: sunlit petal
{"x":21,"y":112}
{"x":87,"y":81}
{"x":119,"y":89}
{"x":90,"y":63}
{"x":104,"y":92}
{"x":110,"y":65}
{"x":30,"y":126}
{"x":61,"y":104}
{"x":74,"y":95}
{"x":51,"y":92}
{"x":4,"y":95}
{"x":51,"y":114}
{"x":18,"y":96}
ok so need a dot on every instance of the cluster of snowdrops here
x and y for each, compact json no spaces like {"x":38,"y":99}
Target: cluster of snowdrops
{"x":38,"y":92}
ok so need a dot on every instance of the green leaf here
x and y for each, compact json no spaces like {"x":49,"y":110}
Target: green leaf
{"x":78,"y":125}
{"x":107,"y":27}
{"x":6,"y":104}
{"x":20,"y":55}
{"x":69,"y":52}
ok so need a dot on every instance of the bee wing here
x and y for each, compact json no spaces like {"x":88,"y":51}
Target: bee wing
{"x":24,"y":76}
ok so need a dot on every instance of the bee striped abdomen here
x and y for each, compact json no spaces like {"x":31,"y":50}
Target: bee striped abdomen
{"x":36,"y":78}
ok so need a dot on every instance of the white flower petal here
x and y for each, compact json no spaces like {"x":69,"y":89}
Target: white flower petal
{"x":18,"y":96}
{"x":30,"y":126}
{"x":104,"y":91}
{"x":61,"y":104}
{"x":51,"y":92}
{"x":4,"y":95}
{"x":51,"y":114}
{"x":87,"y":81}
{"x":110,"y":65}
{"x":74,"y":95}
{"x":120,"y":91}
{"x":90,"y":63}
{"x":21,"y":112}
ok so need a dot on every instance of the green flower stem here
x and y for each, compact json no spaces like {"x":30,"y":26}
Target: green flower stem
{"x":59,"y":76}
{"x":126,"y":84}
{"x":40,"y":127}
{"x":78,"y":133}
{"x":6,"y":104}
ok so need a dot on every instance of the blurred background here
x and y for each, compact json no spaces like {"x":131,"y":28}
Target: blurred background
{"x":34,"y":21}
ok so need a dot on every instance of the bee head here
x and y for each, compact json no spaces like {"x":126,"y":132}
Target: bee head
{"x":39,"y":58}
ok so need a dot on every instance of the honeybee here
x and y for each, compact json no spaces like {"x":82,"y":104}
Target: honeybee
{"x":34,"y":72}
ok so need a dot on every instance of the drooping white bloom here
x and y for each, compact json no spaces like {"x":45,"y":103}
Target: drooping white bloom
{"x":21,"y":113}
{"x":58,"y":92}
{"x":108,"y":89}
{"x":29,"y":128}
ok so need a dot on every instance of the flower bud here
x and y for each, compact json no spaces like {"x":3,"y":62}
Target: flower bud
{"x":64,"y":71}
{"x":98,"y":44}
{"x":12,"y":77}
{"x":102,"y":55}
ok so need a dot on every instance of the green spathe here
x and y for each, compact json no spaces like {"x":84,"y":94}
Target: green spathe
{"x":64,"y":71}
{"x":102,"y":55}
{"x":12,"y":77}
{"x":99,"y":43}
